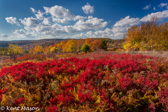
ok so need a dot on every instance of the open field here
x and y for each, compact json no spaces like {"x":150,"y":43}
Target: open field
{"x":98,"y":81}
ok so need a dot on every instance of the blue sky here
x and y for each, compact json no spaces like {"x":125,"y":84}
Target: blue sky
{"x":43,"y":19}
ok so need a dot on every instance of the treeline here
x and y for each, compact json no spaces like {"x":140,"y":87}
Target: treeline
{"x":149,"y":36}
{"x":72,"y":46}
{"x":12,"y":50}
{"x":66,"y":46}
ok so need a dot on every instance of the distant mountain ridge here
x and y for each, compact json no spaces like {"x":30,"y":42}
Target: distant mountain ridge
{"x":26,"y":42}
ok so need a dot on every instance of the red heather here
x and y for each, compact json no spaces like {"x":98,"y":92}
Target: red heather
{"x":52,"y":108}
{"x":125,"y":82}
{"x":18,"y":101}
{"x":107,"y":81}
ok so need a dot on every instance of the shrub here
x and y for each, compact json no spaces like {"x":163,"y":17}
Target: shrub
{"x":120,"y":82}
{"x":85,"y":48}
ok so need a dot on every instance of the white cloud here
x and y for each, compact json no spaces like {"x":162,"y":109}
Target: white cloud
{"x":79,"y":18}
{"x":46,"y":21}
{"x":80,"y":35}
{"x":59,"y":22}
{"x":59,"y":12}
{"x":4,"y":35}
{"x":162,"y":5}
{"x":121,"y":26}
{"x":88,"y":9}
{"x":38,"y":14}
{"x":29,"y":22}
{"x":20,"y":32}
{"x":90,"y":23}
{"x":33,"y":10}
{"x":154,"y":8}
{"x":118,"y":29}
{"x":89,"y":33}
{"x":127,"y":21}
{"x":147,"y":7}
{"x":158,"y":15}
{"x":82,"y":25}
{"x":12,"y":20}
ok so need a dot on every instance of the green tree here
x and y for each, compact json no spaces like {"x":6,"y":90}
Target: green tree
{"x":85,"y":48}
{"x":14,"y":50}
{"x":103,"y":44}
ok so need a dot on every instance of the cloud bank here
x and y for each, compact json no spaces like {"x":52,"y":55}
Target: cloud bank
{"x":59,"y":22}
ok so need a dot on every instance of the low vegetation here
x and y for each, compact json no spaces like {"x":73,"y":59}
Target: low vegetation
{"x":120,"y":82}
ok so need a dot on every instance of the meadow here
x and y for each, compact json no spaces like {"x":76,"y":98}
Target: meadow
{"x":100,"y":82}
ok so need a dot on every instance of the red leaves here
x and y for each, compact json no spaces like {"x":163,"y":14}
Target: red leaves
{"x":60,"y":98}
{"x":163,"y":93}
{"x":165,"y":75}
{"x":71,"y":71}
{"x":20,"y":100}
{"x":125,"y":83}
{"x":52,"y":108}
{"x":84,"y":97}
{"x":152,"y":84}
{"x":84,"y":81}
{"x":65,"y":99}
{"x":53,"y":100}
{"x":1,"y":92}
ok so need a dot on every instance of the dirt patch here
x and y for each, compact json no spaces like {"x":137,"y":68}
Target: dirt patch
{"x":162,"y":54}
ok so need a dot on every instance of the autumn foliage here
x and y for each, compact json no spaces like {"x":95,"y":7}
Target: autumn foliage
{"x":119,"y":83}
{"x":149,"y":36}
{"x":75,"y":46}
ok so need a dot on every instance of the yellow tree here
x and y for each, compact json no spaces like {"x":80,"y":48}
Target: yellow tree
{"x":14,"y":50}
{"x":60,"y":46}
{"x":70,"y":46}
{"x":53,"y":49}
{"x":150,"y":32}
{"x":38,"y":49}
{"x":148,"y":36}
{"x":163,"y":41}
{"x":132,"y":38}
{"x":79,"y":44}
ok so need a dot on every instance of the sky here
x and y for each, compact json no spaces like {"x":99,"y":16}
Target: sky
{"x":51,"y":19}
